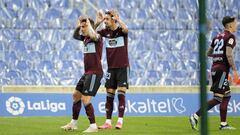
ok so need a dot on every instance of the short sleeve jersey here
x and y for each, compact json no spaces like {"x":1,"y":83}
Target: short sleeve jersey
{"x":219,"y":44}
{"x":116,"y":47}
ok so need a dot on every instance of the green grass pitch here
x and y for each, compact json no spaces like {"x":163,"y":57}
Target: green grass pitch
{"x":132,"y":126}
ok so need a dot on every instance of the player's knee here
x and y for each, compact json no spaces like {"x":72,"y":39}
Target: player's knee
{"x":86,"y":100}
{"x":112,"y":91}
{"x":121,"y":91}
{"x":219,"y":99}
{"x":76,"y":96}
{"x":111,"y":95}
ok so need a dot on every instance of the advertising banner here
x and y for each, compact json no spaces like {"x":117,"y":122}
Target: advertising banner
{"x":167,"y":104}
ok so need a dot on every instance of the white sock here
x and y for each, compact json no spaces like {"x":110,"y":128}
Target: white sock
{"x":109,"y":121}
{"x":195,"y":116}
{"x":223,"y":123}
{"x":120,"y":120}
{"x":94,"y":125}
{"x":74,"y":121}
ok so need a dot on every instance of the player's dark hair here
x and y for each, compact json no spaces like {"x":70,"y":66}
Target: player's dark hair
{"x":109,"y":12}
{"x":91,"y":21}
{"x":227,"y":19}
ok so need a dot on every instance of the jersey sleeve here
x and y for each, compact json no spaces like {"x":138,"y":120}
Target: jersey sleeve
{"x":231,"y":42}
{"x":120,"y":30}
{"x":76,"y":34}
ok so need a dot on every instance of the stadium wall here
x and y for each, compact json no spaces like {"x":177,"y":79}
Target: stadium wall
{"x":141,"y":101}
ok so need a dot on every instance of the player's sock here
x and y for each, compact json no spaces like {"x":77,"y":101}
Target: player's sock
{"x":109,"y":121}
{"x":223,"y":123}
{"x":223,"y":108}
{"x":120,"y":120}
{"x":195,"y":116}
{"x":121,"y":104}
{"x":211,"y":103}
{"x":76,"y":109}
{"x":90,"y":113}
{"x":74,"y":121}
{"x":92,"y":128}
{"x":109,"y":105}
{"x":94,"y":125}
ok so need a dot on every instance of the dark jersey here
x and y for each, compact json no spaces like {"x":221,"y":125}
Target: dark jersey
{"x":117,"y":47}
{"x":219,"y":44}
{"x":92,"y":53}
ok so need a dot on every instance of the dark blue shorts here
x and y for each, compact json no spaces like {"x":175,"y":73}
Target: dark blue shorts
{"x":117,"y":77}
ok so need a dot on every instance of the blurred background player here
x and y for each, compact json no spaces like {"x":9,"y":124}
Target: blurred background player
{"x":221,"y":51}
{"x":89,"y":83}
{"x":116,"y":35}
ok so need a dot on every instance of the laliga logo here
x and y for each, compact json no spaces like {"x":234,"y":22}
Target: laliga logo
{"x":178,"y":105}
{"x":15,"y":105}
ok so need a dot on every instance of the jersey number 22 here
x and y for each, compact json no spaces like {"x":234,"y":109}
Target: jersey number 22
{"x":218,"y":46}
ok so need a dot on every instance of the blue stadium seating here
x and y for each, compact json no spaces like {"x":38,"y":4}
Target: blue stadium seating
{"x":37,"y":48}
{"x":22,"y":66}
{"x":13,"y":74}
{"x":3,"y":66}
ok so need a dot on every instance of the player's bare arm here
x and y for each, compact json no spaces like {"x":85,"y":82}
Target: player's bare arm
{"x":230,"y":57}
{"x":76,"y":34}
{"x":91,"y":33}
{"x":99,"y":18}
{"x":229,"y":54}
{"x":209,"y":51}
{"x":121,"y":23}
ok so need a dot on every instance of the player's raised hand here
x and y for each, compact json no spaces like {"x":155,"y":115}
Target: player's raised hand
{"x":88,"y":23}
{"x":79,"y":21}
{"x":115,"y":15}
{"x":99,"y":16}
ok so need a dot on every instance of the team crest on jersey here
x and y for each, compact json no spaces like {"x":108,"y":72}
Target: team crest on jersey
{"x":230,"y":41}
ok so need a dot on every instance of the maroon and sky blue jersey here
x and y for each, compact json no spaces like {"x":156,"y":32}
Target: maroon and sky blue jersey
{"x":92,"y":56}
{"x":219,"y":44}
{"x":116,"y":47}
{"x":92,"y":53}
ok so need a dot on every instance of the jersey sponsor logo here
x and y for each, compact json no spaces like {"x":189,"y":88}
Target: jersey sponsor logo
{"x":230,"y":41}
{"x":115,"y":42}
{"x":90,"y":48}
